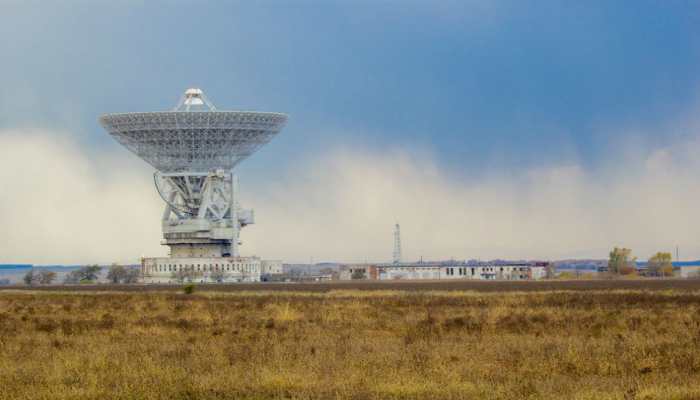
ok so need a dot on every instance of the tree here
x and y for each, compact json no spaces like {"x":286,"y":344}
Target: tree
{"x":72,"y":277}
{"x":621,"y":262}
{"x":90,"y":273}
{"x":121,"y":274}
{"x":358,"y":273}
{"x":132,"y":275}
{"x":85,"y":274}
{"x":660,"y":264}
{"x":31,"y":278}
{"x":550,"y":271}
{"x":46,"y":277}
{"x":116,"y":273}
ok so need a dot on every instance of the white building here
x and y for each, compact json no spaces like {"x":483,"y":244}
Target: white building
{"x":399,"y":272}
{"x":357,"y":271}
{"x":485,"y":271}
{"x":538,"y":271}
{"x":201,"y":269}
{"x":688,"y":271}
{"x":271,"y":267}
{"x":509,"y":272}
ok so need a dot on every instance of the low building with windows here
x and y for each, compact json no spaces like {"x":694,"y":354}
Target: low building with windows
{"x":448,"y":271}
{"x":358,"y":272}
{"x":687,"y":269}
{"x":540,"y":270}
{"x":271,"y":267}
{"x":201,"y":269}
{"x":508,"y":272}
{"x":408,"y":271}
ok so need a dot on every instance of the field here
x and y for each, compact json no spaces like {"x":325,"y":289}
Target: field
{"x":351,"y":344}
{"x":406,"y":285}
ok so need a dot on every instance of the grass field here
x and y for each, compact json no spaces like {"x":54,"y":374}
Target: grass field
{"x":350,"y":344}
{"x":402,"y":285}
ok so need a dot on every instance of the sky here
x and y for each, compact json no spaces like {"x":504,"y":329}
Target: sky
{"x":487,"y":129}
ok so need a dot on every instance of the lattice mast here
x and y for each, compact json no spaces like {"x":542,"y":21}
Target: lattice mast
{"x":397,"y":244}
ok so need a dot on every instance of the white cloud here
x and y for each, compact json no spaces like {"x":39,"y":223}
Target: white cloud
{"x":58,"y":205}
{"x":343,"y":206}
{"x":62,"y":204}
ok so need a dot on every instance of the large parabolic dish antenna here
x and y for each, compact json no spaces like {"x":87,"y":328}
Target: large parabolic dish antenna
{"x":195,"y":147}
{"x":194,"y":136}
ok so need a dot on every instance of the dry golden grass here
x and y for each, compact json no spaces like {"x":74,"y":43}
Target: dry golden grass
{"x":350,"y":345}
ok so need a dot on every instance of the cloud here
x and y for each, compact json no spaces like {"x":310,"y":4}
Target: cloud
{"x":343,"y":205}
{"x":62,"y":204}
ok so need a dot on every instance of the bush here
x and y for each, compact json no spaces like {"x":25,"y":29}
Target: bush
{"x":188,"y":289}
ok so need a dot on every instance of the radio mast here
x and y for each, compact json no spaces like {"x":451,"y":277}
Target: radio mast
{"x":397,"y":244}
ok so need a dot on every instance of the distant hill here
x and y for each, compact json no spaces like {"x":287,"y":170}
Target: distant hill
{"x":16,"y":266}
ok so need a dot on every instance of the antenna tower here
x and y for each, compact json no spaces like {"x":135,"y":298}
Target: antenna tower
{"x":397,"y":244}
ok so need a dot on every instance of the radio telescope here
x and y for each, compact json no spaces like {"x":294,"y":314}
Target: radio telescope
{"x":194,"y":148}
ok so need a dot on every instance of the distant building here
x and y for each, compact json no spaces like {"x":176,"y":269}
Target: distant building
{"x":689,"y":271}
{"x":358,"y":272}
{"x":201,"y":269}
{"x":686,"y":269}
{"x":271,"y":267}
{"x":681,"y":269}
{"x":580,"y":268}
{"x":448,"y":271}
{"x":408,"y":271}
{"x":540,"y":270}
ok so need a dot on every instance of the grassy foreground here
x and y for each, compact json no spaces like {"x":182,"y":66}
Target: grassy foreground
{"x":350,"y":345}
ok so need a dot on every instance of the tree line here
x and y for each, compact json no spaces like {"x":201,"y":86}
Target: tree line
{"x":621,"y":262}
{"x":118,"y":274}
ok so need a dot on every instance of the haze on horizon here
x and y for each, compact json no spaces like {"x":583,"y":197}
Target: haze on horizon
{"x":488,"y":129}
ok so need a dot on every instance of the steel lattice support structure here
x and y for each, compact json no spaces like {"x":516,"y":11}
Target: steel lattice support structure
{"x":194,"y":148}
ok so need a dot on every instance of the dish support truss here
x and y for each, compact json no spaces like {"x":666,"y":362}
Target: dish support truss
{"x":202,"y":216}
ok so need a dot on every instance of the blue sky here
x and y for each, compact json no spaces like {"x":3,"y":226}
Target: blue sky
{"x":470,"y":80}
{"x":481,"y":88}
